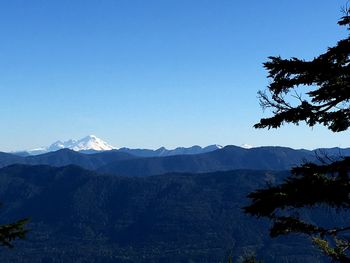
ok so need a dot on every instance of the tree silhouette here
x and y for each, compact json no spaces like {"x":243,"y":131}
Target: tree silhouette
{"x":326,"y":101}
{"x":12,"y":231}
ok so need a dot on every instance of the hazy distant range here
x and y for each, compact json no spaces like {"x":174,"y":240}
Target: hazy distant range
{"x":95,"y":154}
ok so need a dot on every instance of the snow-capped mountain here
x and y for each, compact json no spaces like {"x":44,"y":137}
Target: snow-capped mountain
{"x":93,"y":144}
{"x":87,"y":143}
{"x":90,"y":142}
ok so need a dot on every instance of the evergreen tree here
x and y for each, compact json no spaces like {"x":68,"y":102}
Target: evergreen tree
{"x":12,"y":231}
{"x":326,"y":101}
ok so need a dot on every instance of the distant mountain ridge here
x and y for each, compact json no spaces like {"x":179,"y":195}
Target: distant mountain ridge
{"x":225,"y":159}
{"x":93,"y":144}
{"x":65,"y":157}
{"x":162,"y":152}
{"x":117,"y":162}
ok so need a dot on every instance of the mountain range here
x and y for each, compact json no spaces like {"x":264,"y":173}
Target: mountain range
{"x":138,"y":205}
{"x":119,"y":162}
{"x":93,"y":144}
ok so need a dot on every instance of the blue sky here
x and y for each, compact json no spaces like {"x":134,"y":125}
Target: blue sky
{"x":153,"y":73}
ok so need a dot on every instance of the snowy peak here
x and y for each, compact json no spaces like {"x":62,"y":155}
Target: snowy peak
{"x":60,"y":145}
{"x":90,"y":142}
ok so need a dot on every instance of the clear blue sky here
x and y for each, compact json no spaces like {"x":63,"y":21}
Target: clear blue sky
{"x":153,"y":73}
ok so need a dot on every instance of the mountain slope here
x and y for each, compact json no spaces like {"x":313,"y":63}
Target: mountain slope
{"x":162,"y":152}
{"x":90,"y":142}
{"x":66,"y":157}
{"x":80,"y":216}
{"x":227,"y":158}
{"x":69,"y":157}
{"x":8,"y":159}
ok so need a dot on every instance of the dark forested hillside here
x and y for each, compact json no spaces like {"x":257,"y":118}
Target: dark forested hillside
{"x":8,"y":159}
{"x":66,"y":157}
{"x":228,"y":158}
{"x":88,"y":161}
{"x":80,"y":216}
{"x":225,"y":159}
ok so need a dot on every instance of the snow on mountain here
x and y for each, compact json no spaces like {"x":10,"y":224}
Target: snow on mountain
{"x":61,"y":145}
{"x":212,"y":147}
{"x":90,"y":142}
{"x":247,"y":146}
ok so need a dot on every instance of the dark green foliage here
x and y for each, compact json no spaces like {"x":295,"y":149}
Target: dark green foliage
{"x":308,"y":186}
{"x":328,"y":104}
{"x":311,"y":186}
{"x":249,"y":258}
{"x":12,"y":231}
